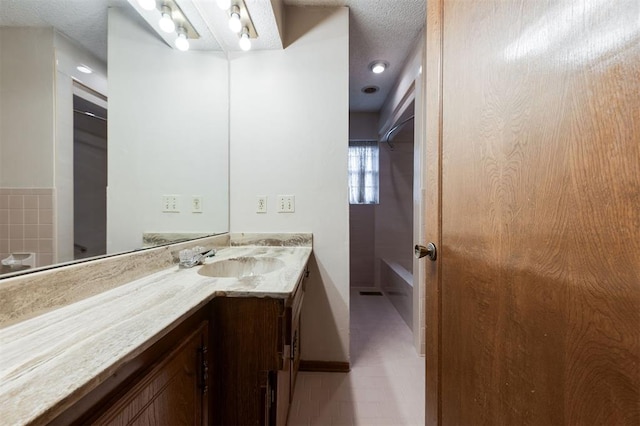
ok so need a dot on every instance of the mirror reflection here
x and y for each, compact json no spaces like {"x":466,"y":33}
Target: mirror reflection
{"x":90,"y":165}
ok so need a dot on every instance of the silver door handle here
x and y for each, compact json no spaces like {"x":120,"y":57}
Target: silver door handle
{"x":429,"y":250}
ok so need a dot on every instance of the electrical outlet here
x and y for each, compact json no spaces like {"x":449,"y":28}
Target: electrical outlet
{"x":262,"y":204}
{"x":286,"y":203}
{"x":170,"y":203}
{"x":196,"y":204}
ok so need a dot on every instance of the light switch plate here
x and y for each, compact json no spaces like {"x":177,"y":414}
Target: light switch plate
{"x":286,"y":203}
{"x":170,"y":204}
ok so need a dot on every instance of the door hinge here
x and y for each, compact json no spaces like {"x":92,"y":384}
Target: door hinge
{"x":294,"y":345}
{"x":204,"y":369}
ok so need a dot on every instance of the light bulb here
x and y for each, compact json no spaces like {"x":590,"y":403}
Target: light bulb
{"x":245,"y":41}
{"x":224,"y":4}
{"x":235,"y":24}
{"x":147,"y":4}
{"x":166,"y":22}
{"x":181,"y":42}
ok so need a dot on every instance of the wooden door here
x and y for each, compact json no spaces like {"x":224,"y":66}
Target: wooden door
{"x":538,"y":294}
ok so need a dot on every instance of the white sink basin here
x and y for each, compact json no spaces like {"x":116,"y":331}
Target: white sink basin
{"x":241,"y":267}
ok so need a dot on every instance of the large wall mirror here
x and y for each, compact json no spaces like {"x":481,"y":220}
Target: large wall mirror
{"x":132,"y":154}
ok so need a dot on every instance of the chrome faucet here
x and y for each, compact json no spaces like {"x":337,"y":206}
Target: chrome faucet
{"x":192,"y":257}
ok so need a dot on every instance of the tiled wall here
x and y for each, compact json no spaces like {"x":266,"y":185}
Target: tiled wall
{"x":26,"y":223}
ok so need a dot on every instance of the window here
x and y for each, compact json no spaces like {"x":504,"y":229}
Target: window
{"x":363,"y":172}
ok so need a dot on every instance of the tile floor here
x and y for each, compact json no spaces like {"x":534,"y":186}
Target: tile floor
{"x":386,"y":382}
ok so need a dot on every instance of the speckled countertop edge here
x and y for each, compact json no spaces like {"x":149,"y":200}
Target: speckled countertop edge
{"x":49,"y":362}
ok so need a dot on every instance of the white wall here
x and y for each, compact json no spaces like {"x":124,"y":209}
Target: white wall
{"x":27,"y":70}
{"x":36,"y":120}
{"x":363,"y":126}
{"x":68,"y":55}
{"x":289,"y":135}
{"x":168,"y":134}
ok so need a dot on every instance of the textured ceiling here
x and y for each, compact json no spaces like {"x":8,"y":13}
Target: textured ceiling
{"x":379,"y":29}
{"x":82,"y":20}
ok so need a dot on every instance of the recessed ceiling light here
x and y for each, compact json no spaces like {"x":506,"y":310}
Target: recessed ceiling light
{"x":85,"y":69}
{"x":370,"y":89}
{"x":378,"y":67}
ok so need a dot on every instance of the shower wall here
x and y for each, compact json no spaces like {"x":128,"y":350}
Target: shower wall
{"x":362,"y":126}
{"x":362,"y":245}
{"x":394,"y":223}
{"x":383,"y":232}
{"x":394,"y":214}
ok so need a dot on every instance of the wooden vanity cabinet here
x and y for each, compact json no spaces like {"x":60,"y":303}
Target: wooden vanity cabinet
{"x":167,"y":384}
{"x":232,"y":362}
{"x":255,"y":360}
{"x":174,"y":392}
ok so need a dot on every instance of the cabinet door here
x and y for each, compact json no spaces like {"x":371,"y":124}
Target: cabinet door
{"x":171,"y":393}
{"x":294,"y":331}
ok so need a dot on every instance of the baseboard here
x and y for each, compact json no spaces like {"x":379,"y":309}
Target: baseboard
{"x":325,"y":366}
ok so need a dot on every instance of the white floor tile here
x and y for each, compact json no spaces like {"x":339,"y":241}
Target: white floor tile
{"x":386,"y":384}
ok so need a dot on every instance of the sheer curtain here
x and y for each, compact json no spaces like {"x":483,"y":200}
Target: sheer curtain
{"x":363,"y":172}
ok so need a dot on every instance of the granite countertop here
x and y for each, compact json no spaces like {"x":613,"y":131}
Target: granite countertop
{"x":49,"y":362}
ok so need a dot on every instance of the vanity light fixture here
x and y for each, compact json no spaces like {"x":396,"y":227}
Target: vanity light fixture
{"x":147,"y":4}
{"x":378,"y":67}
{"x":240,"y":23}
{"x":235,"y":23}
{"x":181,"y":42}
{"x":224,"y":4}
{"x":166,"y":21}
{"x":84,"y":69}
{"x":169,"y":21}
{"x":245,"y":40}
